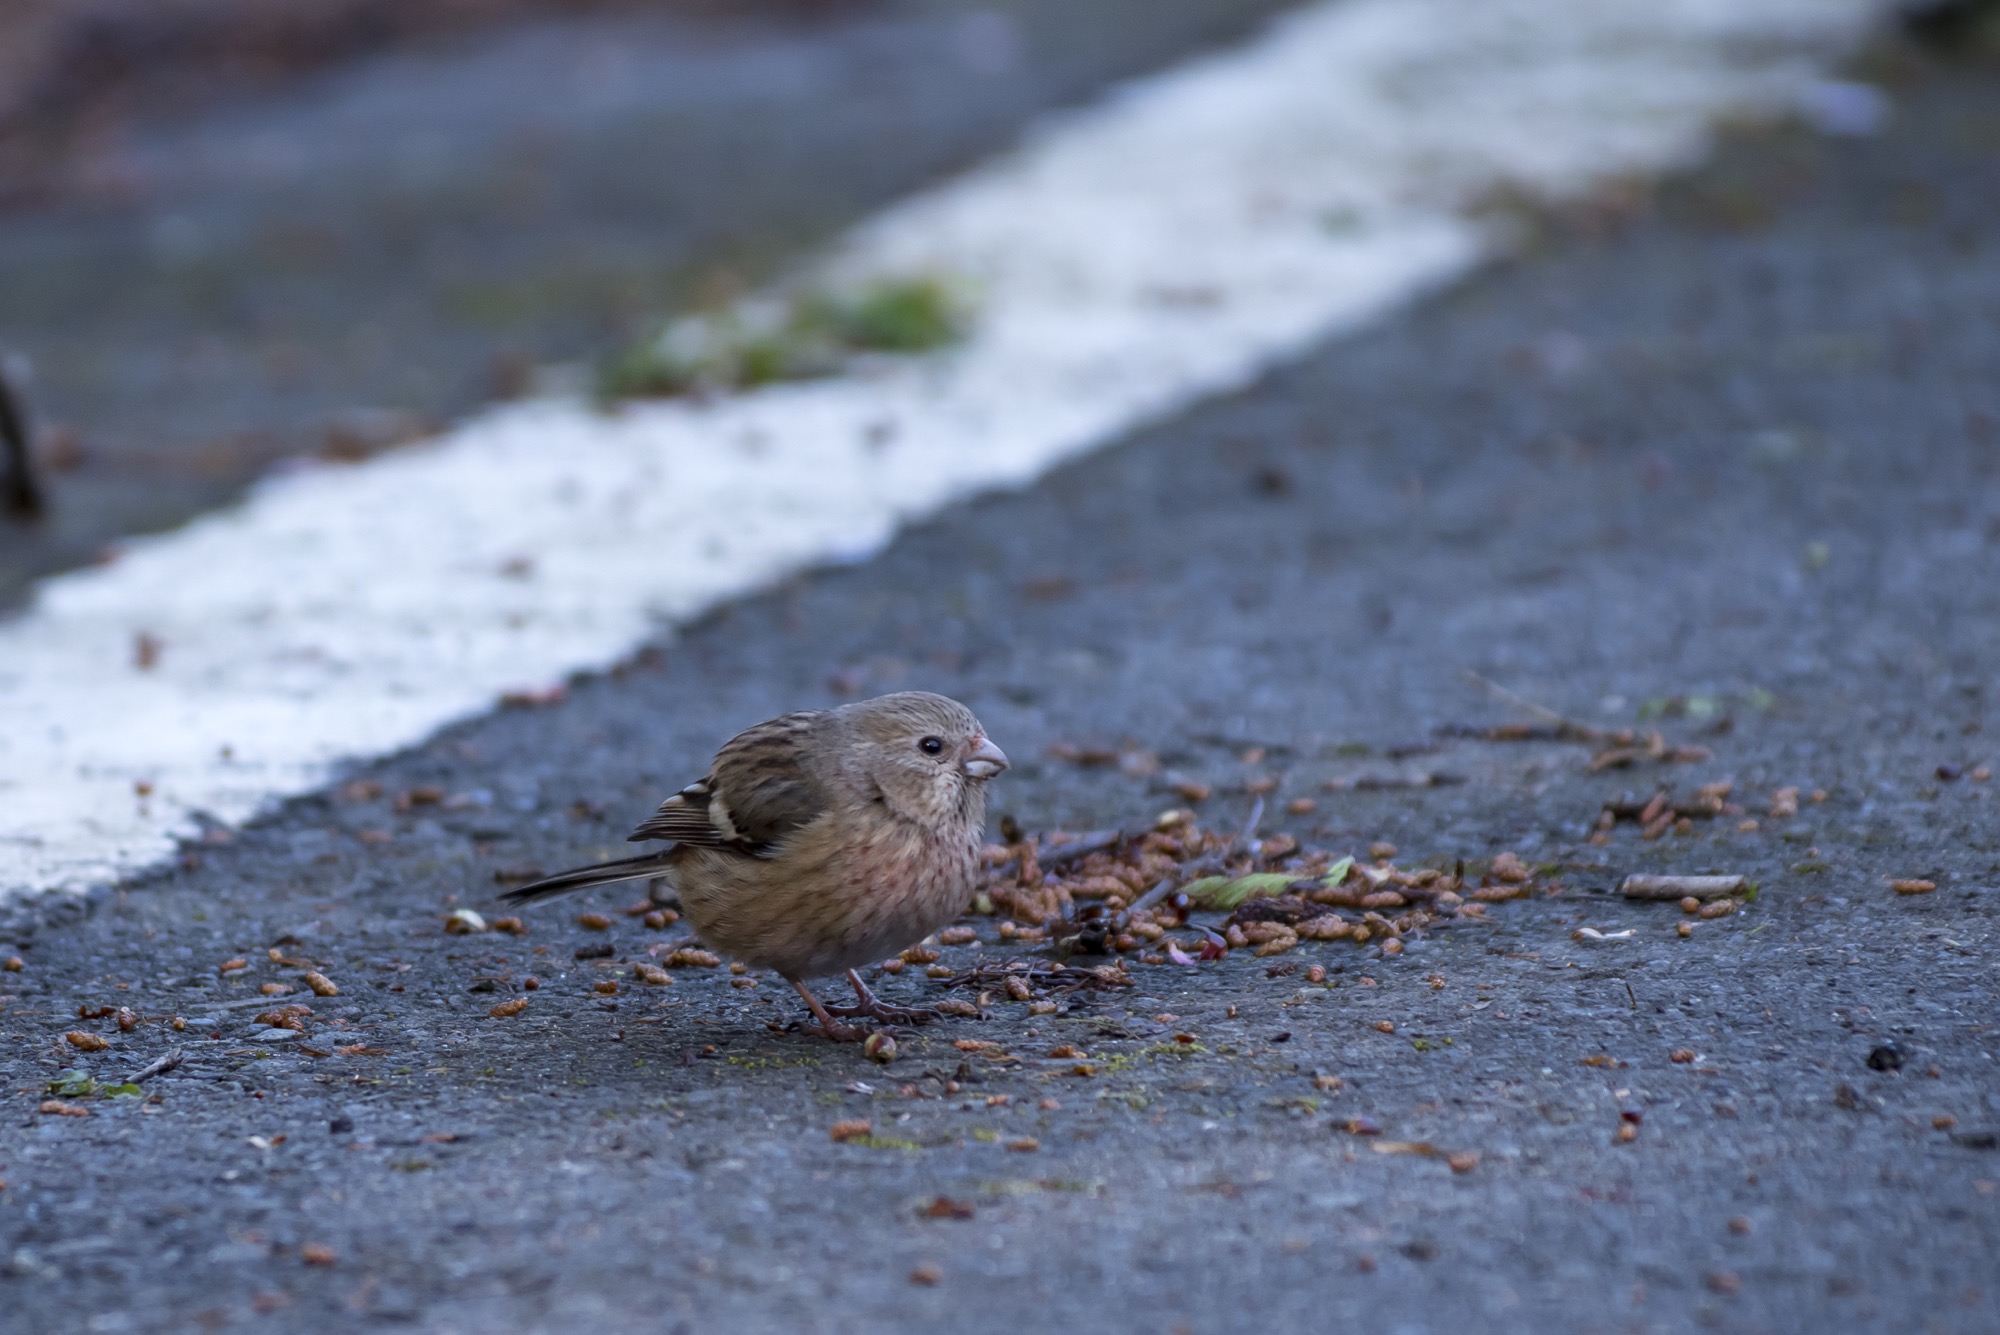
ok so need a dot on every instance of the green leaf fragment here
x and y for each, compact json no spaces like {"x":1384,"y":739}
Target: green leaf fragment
{"x":74,"y":1083}
{"x":1227,"y":892}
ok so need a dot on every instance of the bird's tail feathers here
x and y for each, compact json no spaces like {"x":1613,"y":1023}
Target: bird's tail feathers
{"x":582,"y":878}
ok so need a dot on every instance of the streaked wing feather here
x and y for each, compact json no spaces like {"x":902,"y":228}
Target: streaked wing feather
{"x":759,"y":789}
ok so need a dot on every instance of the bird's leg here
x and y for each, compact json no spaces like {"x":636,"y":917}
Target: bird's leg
{"x":832,"y":1028}
{"x":872,"y":1007}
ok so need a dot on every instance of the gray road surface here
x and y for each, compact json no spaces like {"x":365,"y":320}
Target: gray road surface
{"x":1738,"y":446}
{"x":378,"y":249}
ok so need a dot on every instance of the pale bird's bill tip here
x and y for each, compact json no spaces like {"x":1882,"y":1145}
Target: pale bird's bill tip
{"x":986,"y":760}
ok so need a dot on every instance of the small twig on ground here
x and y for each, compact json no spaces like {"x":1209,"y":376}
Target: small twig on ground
{"x":1051,"y":977}
{"x":160,"y":1065}
{"x":1564,"y":727}
{"x":1680,"y":887}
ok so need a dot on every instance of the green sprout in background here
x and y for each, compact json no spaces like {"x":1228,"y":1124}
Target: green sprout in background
{"x":801,"y":338}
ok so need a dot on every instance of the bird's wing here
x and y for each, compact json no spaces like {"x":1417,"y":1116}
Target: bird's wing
{"x":760,"y":788}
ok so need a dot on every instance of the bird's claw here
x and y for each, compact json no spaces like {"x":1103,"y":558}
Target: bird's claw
{"x":887,"y":1014}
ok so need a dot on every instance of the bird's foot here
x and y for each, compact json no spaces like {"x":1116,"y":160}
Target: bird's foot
{"x":876,"y":1009}
{"x":871,"y":1007}
{"x":828,"y":1026}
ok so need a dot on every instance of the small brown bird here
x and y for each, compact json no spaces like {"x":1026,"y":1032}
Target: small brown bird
{"x":823,"y":840}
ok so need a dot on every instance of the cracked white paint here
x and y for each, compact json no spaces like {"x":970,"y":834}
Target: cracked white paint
{"x":1170,"y":243}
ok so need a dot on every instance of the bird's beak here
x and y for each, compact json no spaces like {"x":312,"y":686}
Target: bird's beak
{"x":985,"y":761}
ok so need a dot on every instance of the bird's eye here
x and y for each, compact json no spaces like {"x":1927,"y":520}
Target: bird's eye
{"x":930,"y":746}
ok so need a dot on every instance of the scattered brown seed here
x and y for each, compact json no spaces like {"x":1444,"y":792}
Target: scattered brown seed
{"x":1381,"y":851}
{"x":958,"y":936}
{"x":919,"y":955}
{"x":1316,"y":974}
{"x":1784,"y":803}
{"x":1365,"y":1264}
{"x":506,"y":1008}
{"x":1192,"y":790}
{"x":1361,"y":1126}
{"x":274,"y":989}
{"x":231,"y":966}
{"x":1690,"y":905}
{"x":1913,"y":887}
{"x":14,"y":964}
{"x":594,"y":922}
{"x":1328,"y":1083}
{"x":743,"y":982}
{"x":965,"y":1010}
{"x":58,"y":1108}
{"x":511,"y":926}
{"x":858,"y":1128}
{"x":1024,"y":1144}
{"x":1043,"y":1007}
{"x":128,"y":1019}
{"x":530,"y":983}
{"x":1684,"y":929}
{"x":688,"y":957}
{"x":937,"y":971}
{"x":1717,"y":908}
{"x":652,"y":974}
{"x":1464,"y":1161}
{"x":660,"y":919}
{"x":318,"y":1253}
{"x":1627,"y":1133}
{"x":1302,"y":806}
{"x":1981,"y":773}
{"x":1725,"y":1282}
{"x":880,"y":1048}
{"x":321,"y":985}
{"x":1392,"y":947}
{"x":607,"y":987}
{"x":1681,"y":1056}
{"x":1943,"y":1122}
{"x":738,"y":967}
{"x":1386,"y":1026}
{"x":464,"y":922}
{"x":1740,"y":1225}
{"x":1748,"y":826}
{"x":928,"y":1275}
{"x":86,"y":1042}
{"x":944,"y":1207}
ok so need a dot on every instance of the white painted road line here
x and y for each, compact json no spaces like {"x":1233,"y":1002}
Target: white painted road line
{"x":1171,"y":243}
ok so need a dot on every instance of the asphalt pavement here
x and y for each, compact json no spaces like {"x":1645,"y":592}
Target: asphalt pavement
{"x":353,"y":259}
{"x":1720,"y":459}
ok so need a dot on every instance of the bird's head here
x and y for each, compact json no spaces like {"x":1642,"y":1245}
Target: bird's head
{"x":926,"y":754}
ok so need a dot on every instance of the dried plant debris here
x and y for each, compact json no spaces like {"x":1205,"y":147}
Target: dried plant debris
{"x":803,"y":337}
{"x":1138,"y":893}
{"x":1617,"y":748}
